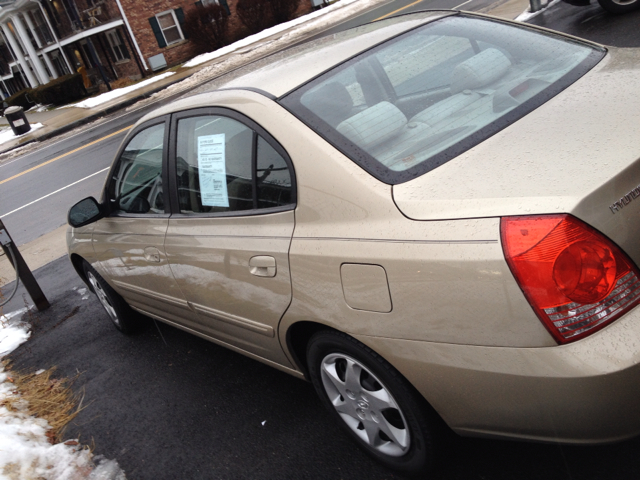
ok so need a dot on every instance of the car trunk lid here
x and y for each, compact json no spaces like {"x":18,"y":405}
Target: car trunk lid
{"x":578,"y":153}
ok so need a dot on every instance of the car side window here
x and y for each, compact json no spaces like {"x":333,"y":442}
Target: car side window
{"x":136,"y":181}
{"x":222,"y":165}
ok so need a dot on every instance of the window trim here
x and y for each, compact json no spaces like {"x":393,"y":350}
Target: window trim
{"x":109,"y":210}
{"x":112,"y":35}
{"x":257,"y":130}
{"x":177,"y":24}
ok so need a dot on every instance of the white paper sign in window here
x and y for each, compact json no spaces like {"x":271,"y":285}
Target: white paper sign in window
{"x":212,"y":171}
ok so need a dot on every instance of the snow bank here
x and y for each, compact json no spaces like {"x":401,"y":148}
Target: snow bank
{"x":118,"y":92}
{"x":7,"y":134}
{"x":25,"y":451}
{"x":205,"y":57}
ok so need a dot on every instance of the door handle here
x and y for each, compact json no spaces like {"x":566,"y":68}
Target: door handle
{"x":152,"y":254}
{"x":262,"y":266}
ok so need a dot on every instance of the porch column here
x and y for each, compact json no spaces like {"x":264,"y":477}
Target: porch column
{"x":33,"y":82}
{"x":47,"y":60}
{"x":41,"y":72}
{"x":27,"y":19}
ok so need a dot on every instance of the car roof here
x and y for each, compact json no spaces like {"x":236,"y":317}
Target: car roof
{"x":283,"y":71}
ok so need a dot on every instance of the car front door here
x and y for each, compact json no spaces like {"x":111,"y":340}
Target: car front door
{"x":229,"y":235}
{"x":129,"y":241}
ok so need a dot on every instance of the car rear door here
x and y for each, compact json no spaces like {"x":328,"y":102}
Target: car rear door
{"x":129,"y":241}
{"x":228,"y":239}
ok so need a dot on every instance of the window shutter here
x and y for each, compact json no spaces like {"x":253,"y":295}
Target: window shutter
{"x":180,"y":16}
{"x":155,"y":26}
{"x":225,"y":5}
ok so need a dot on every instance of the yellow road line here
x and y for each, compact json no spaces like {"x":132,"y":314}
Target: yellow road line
{"x":65,"y":154}
{"x":398,"y":10}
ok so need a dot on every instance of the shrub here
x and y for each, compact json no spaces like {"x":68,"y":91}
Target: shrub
{"x":207,"y":27}
{"x":20,"y":99}
{"x":60,"y":91}
{"x":255,"y":14}
{"x":283,"y":10}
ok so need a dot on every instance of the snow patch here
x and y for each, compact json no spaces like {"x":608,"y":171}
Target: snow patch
{"x":118,"y":92}
{"x":38,"y":108}
{"x":25,"y":451}
{"x":7,"y":134}
{"x":13,"y":333}
{"x":205,"y":57}
{"x":527,"y":15}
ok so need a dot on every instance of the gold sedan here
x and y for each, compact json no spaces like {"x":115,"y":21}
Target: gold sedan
{"x":433,"y":218}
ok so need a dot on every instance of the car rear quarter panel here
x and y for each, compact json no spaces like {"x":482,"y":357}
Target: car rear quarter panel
{"x":584,"y":392}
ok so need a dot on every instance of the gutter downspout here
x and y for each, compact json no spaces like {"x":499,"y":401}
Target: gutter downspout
{"x":135,"y":42}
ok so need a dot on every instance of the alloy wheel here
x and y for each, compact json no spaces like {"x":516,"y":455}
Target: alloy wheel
{"x":365,"y":405}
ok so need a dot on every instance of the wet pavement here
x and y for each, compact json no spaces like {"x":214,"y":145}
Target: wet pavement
{"x":168,"y":405}
{"x":592,"y":23}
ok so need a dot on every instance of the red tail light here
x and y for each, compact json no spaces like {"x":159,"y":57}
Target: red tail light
{"x":575,"y":278}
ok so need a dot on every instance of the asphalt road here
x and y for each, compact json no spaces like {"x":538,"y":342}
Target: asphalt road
{"x":34,"y":202}
{"x":168,"y":405}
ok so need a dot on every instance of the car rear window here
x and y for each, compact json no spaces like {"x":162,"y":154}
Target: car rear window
{"x":415,"y":102}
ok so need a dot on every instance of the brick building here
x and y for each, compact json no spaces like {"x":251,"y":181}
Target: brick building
{"x":158,"y":26}
{"x":41,"y":40}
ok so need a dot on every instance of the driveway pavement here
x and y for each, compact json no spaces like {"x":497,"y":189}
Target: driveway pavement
{"x":168,"y":405}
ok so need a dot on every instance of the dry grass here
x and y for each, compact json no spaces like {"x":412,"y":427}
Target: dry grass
{"x":121,"y":82}
{"x":49,"y":398}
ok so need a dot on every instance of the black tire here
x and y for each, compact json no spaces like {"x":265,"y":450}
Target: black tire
{"x":619,"y":6}
{"x":123,"y":317}
{"x":413,"y":448}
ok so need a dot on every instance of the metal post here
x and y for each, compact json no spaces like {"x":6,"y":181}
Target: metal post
{"x":27,"y":278}
{"x":536,"y":5}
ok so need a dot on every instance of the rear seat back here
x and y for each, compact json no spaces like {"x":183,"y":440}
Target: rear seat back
{"x":480,"y":70}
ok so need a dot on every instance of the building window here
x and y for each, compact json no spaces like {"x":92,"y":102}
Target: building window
{"x":169,"y":27}
{"x":58,"y":62}
{"x":120,"y":52}
{"x":41,"y":27}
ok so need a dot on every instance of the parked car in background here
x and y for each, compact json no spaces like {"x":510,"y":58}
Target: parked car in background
{"x":613,"y":6}
{"x":433,"y":218}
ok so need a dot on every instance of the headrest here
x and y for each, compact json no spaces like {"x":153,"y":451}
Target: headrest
{"x":331,"y":102}
{"x":374,"y":125}
{"x":479,"y":70}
